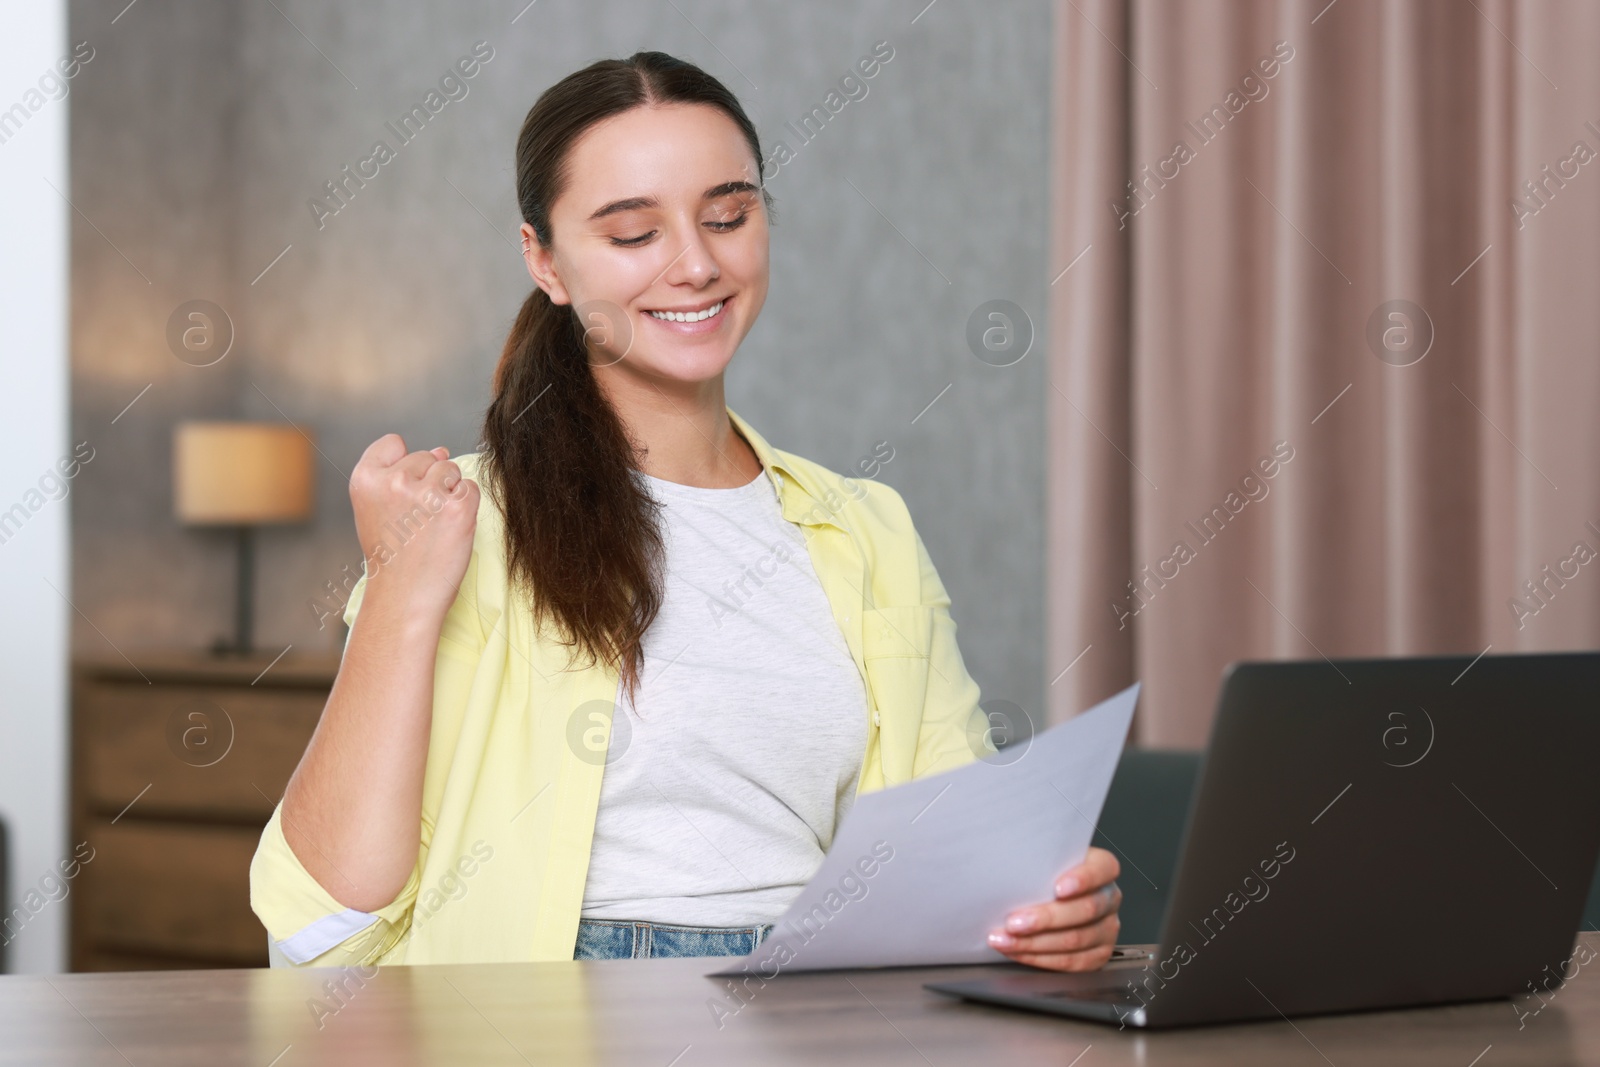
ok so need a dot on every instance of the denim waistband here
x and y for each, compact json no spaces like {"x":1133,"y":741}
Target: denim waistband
{"x":620,"y":939}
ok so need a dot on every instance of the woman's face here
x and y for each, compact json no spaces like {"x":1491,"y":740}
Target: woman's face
{"x":662,"y":213}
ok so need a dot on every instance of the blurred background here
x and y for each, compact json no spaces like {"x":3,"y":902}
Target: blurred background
{"x":1190,"y":333}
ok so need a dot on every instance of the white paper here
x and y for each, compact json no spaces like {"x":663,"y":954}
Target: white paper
{"x":950,"y":855}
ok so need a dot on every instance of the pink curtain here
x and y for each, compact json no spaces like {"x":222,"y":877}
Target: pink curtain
{"x":1325,"y":340}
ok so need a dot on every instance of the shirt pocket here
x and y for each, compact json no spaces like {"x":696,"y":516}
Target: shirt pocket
{"x":895,"y":644}
{"x":892,"y":633}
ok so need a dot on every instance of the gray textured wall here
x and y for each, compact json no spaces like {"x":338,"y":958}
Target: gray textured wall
{"x":201,"y":131}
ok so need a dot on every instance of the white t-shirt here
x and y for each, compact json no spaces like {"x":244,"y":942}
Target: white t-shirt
{"x":728,"y":775}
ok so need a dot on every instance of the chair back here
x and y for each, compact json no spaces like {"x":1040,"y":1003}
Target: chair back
{"x":1142,"y":825}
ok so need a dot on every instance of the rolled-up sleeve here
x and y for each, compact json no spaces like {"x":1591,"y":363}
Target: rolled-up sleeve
{"x":304,"y":920}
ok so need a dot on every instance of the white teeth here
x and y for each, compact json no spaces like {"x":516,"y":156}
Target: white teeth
{"x":693,"y":316}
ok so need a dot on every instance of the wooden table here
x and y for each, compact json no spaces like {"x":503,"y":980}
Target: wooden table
{"x":655,"y":1013}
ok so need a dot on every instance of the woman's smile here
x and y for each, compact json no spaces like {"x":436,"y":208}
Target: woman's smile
{"x":693,"y":320}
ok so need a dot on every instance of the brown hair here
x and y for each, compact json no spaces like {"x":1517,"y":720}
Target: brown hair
{"x":581,"y":533}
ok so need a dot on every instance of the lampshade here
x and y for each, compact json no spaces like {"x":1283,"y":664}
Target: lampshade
{"x":241,"y":473}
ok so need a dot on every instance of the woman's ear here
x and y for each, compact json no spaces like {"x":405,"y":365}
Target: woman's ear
{"x":542,"y":267}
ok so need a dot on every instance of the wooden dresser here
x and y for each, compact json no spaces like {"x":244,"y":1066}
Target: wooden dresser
{"x":177,"y":762}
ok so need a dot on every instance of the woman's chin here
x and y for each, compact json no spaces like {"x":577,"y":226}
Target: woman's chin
{"x":679,"y":368}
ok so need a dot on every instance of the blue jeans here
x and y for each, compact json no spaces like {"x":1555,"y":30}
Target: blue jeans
{"x":621,"y":939}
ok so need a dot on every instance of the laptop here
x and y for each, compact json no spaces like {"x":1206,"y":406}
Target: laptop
{"x":1365,"y":834}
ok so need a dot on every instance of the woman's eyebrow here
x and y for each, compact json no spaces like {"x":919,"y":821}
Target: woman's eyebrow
{"x":634,"y":203}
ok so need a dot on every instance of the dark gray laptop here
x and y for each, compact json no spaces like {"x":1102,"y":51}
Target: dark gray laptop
{"x":1447,"y":805}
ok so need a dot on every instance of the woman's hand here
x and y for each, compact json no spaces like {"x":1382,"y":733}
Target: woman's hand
{"x":415,"y":517}
{"x":1074,"y":932}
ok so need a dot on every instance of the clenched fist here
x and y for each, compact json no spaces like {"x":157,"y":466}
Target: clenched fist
{"x":415,"y":516}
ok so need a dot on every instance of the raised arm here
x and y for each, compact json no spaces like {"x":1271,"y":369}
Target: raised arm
{"x":352,"y":811}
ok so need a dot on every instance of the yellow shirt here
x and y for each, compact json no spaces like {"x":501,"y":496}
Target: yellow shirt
{"x":518,"y":739}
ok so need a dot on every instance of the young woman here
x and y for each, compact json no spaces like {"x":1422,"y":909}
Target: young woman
{"x":617,"y":704}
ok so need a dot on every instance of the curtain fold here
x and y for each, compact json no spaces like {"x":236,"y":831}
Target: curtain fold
{"x":1087,"y":405}
{"x":1325,"y":382}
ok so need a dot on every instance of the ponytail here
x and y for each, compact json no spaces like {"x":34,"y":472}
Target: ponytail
{"x":582,"y":538}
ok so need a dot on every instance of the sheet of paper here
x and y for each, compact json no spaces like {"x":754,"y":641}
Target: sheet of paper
{"x":921,"y":872}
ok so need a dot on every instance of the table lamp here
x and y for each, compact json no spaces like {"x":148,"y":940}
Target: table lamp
{"x":241,"y":475}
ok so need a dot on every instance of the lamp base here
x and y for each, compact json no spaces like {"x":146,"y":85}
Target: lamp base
{"x":243,"y":599}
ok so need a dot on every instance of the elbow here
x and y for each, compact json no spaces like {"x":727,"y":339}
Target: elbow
{"x":366,"y":884}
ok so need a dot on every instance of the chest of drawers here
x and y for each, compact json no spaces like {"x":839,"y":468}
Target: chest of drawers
{"x":177,"y":762}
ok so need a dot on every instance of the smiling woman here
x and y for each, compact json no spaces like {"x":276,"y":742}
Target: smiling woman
{"x":681,"y":269}
{"x":535,"y":671}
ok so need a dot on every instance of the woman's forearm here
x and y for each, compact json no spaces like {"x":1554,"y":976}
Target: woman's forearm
{"x":353,"y":809}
